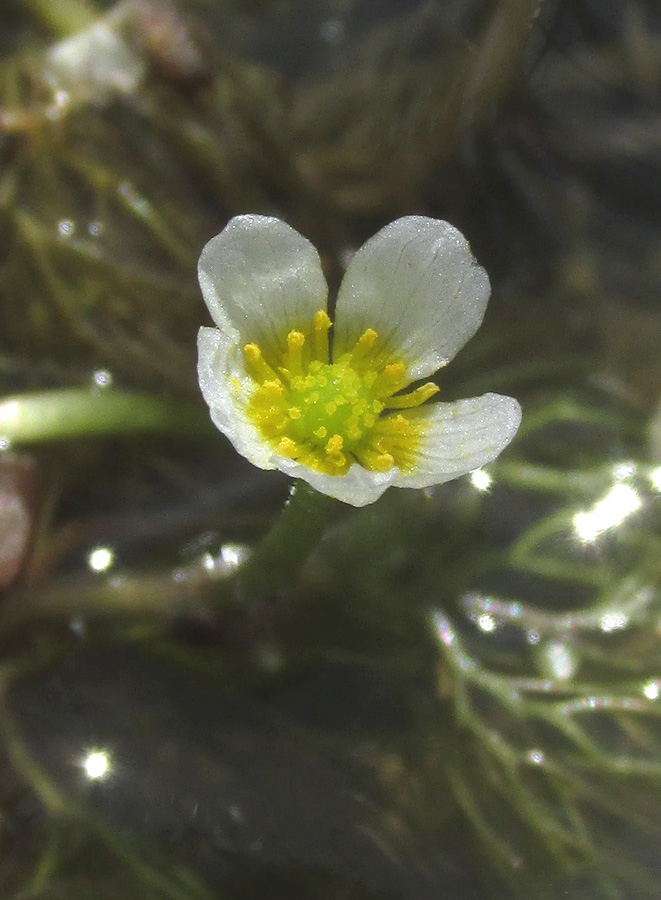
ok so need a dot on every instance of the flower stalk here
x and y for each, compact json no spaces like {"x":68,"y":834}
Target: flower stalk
{"x":272,"y":569}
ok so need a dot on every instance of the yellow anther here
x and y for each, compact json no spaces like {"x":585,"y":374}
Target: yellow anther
{"x":271,"y":390}
{"x":252,"y":353}
{"x":390,"y":425}
{"x":331,"y":408}
{"x":294,"y":412}
{"x":256,"y":360}
{"x":295,"y":342}
{"x":322,"y":320}
{"x":334,"y":445}
{"x":363,"y":345}
{"x":276,"y":422}
{"x":322,"y":324}
{"x":414,"y":398}
{"x":288,"y":447}
{"x":375,"y":461}
{"x":295,"y":339}
{"x":391,"y":379}
{"x":320,"y":432}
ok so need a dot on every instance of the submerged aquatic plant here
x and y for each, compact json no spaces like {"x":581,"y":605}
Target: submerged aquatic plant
{"x":331,"y":410}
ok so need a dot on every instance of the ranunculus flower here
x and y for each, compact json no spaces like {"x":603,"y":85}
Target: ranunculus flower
{"x":331,"y":403}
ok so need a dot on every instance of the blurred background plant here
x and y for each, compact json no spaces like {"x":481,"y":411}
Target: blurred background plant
{"x":459,"y":694}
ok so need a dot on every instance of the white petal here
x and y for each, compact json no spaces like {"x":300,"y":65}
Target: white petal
{"x":263,"y":278}
{"x":358,"y":487}
{"x":461,"y":436}
{"x":417,"y":284}
{"x":226,"y":388}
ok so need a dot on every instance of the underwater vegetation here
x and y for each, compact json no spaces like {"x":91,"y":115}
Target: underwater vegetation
{"x":216,"y":681}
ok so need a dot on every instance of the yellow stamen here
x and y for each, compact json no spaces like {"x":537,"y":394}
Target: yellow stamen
{"x":295,"y":342}
{"x":258,"y":364}
{"x":294,"y":412}
{"x":363,"y":345}
{"x":322,"y":325}
{"x":269,"y":393}
{"x":392,"y":425}
{"x":288,"y":447}
{"x":375,"y":460}
{"x":390,"y":380}
{"x":414,"y":398}
{"x":334,"y":445}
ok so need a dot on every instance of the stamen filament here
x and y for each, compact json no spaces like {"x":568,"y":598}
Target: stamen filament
{"x":363,"y":345}
{"x":256,"y":361}
{"x":414,"y":398}
{"x":389,"y":381}
{"x":295,"y":341}
{"x":322,"y":324}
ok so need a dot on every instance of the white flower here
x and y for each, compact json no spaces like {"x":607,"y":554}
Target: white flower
{"x":328,"y":406}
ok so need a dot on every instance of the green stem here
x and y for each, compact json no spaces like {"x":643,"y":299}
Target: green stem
{"x":278,"y":559}
{"x":78,"y":413}
{"x":62,"y":17}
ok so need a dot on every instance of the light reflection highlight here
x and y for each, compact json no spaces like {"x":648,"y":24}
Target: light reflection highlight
{"x":652,"y":689}
{"x":229,"y":557}
{"x":487,"y":623}
{"x":621,"y":501}
{"x":100,"y":559}
{"x":624,"y":470}
{"x":655,"y":478}
{"x":480,"y":479}
{"x":613,"y":621}
{"x":558,"y":660}
{"x":102,"y":378}
{"x":66,"y":228}
{"x":97,"y":765}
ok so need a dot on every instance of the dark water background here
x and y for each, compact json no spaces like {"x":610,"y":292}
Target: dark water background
{"x":457,"y":695}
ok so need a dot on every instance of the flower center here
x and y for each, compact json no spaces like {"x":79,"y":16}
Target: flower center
{"x":328,"y":415}
{"x":332,"y":399}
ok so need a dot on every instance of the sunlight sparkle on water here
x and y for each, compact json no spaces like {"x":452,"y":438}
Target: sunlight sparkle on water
{"x":620,"y":502}
{"x":100,"y":559}
{"x":96,"y":765}
{"x":652,"y":689}
{"x":480,"y":479}
{"x":486,"y":623}
{"x":613,"y":621}
{"x":558,"y":660}
{"x":624,"y":470}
